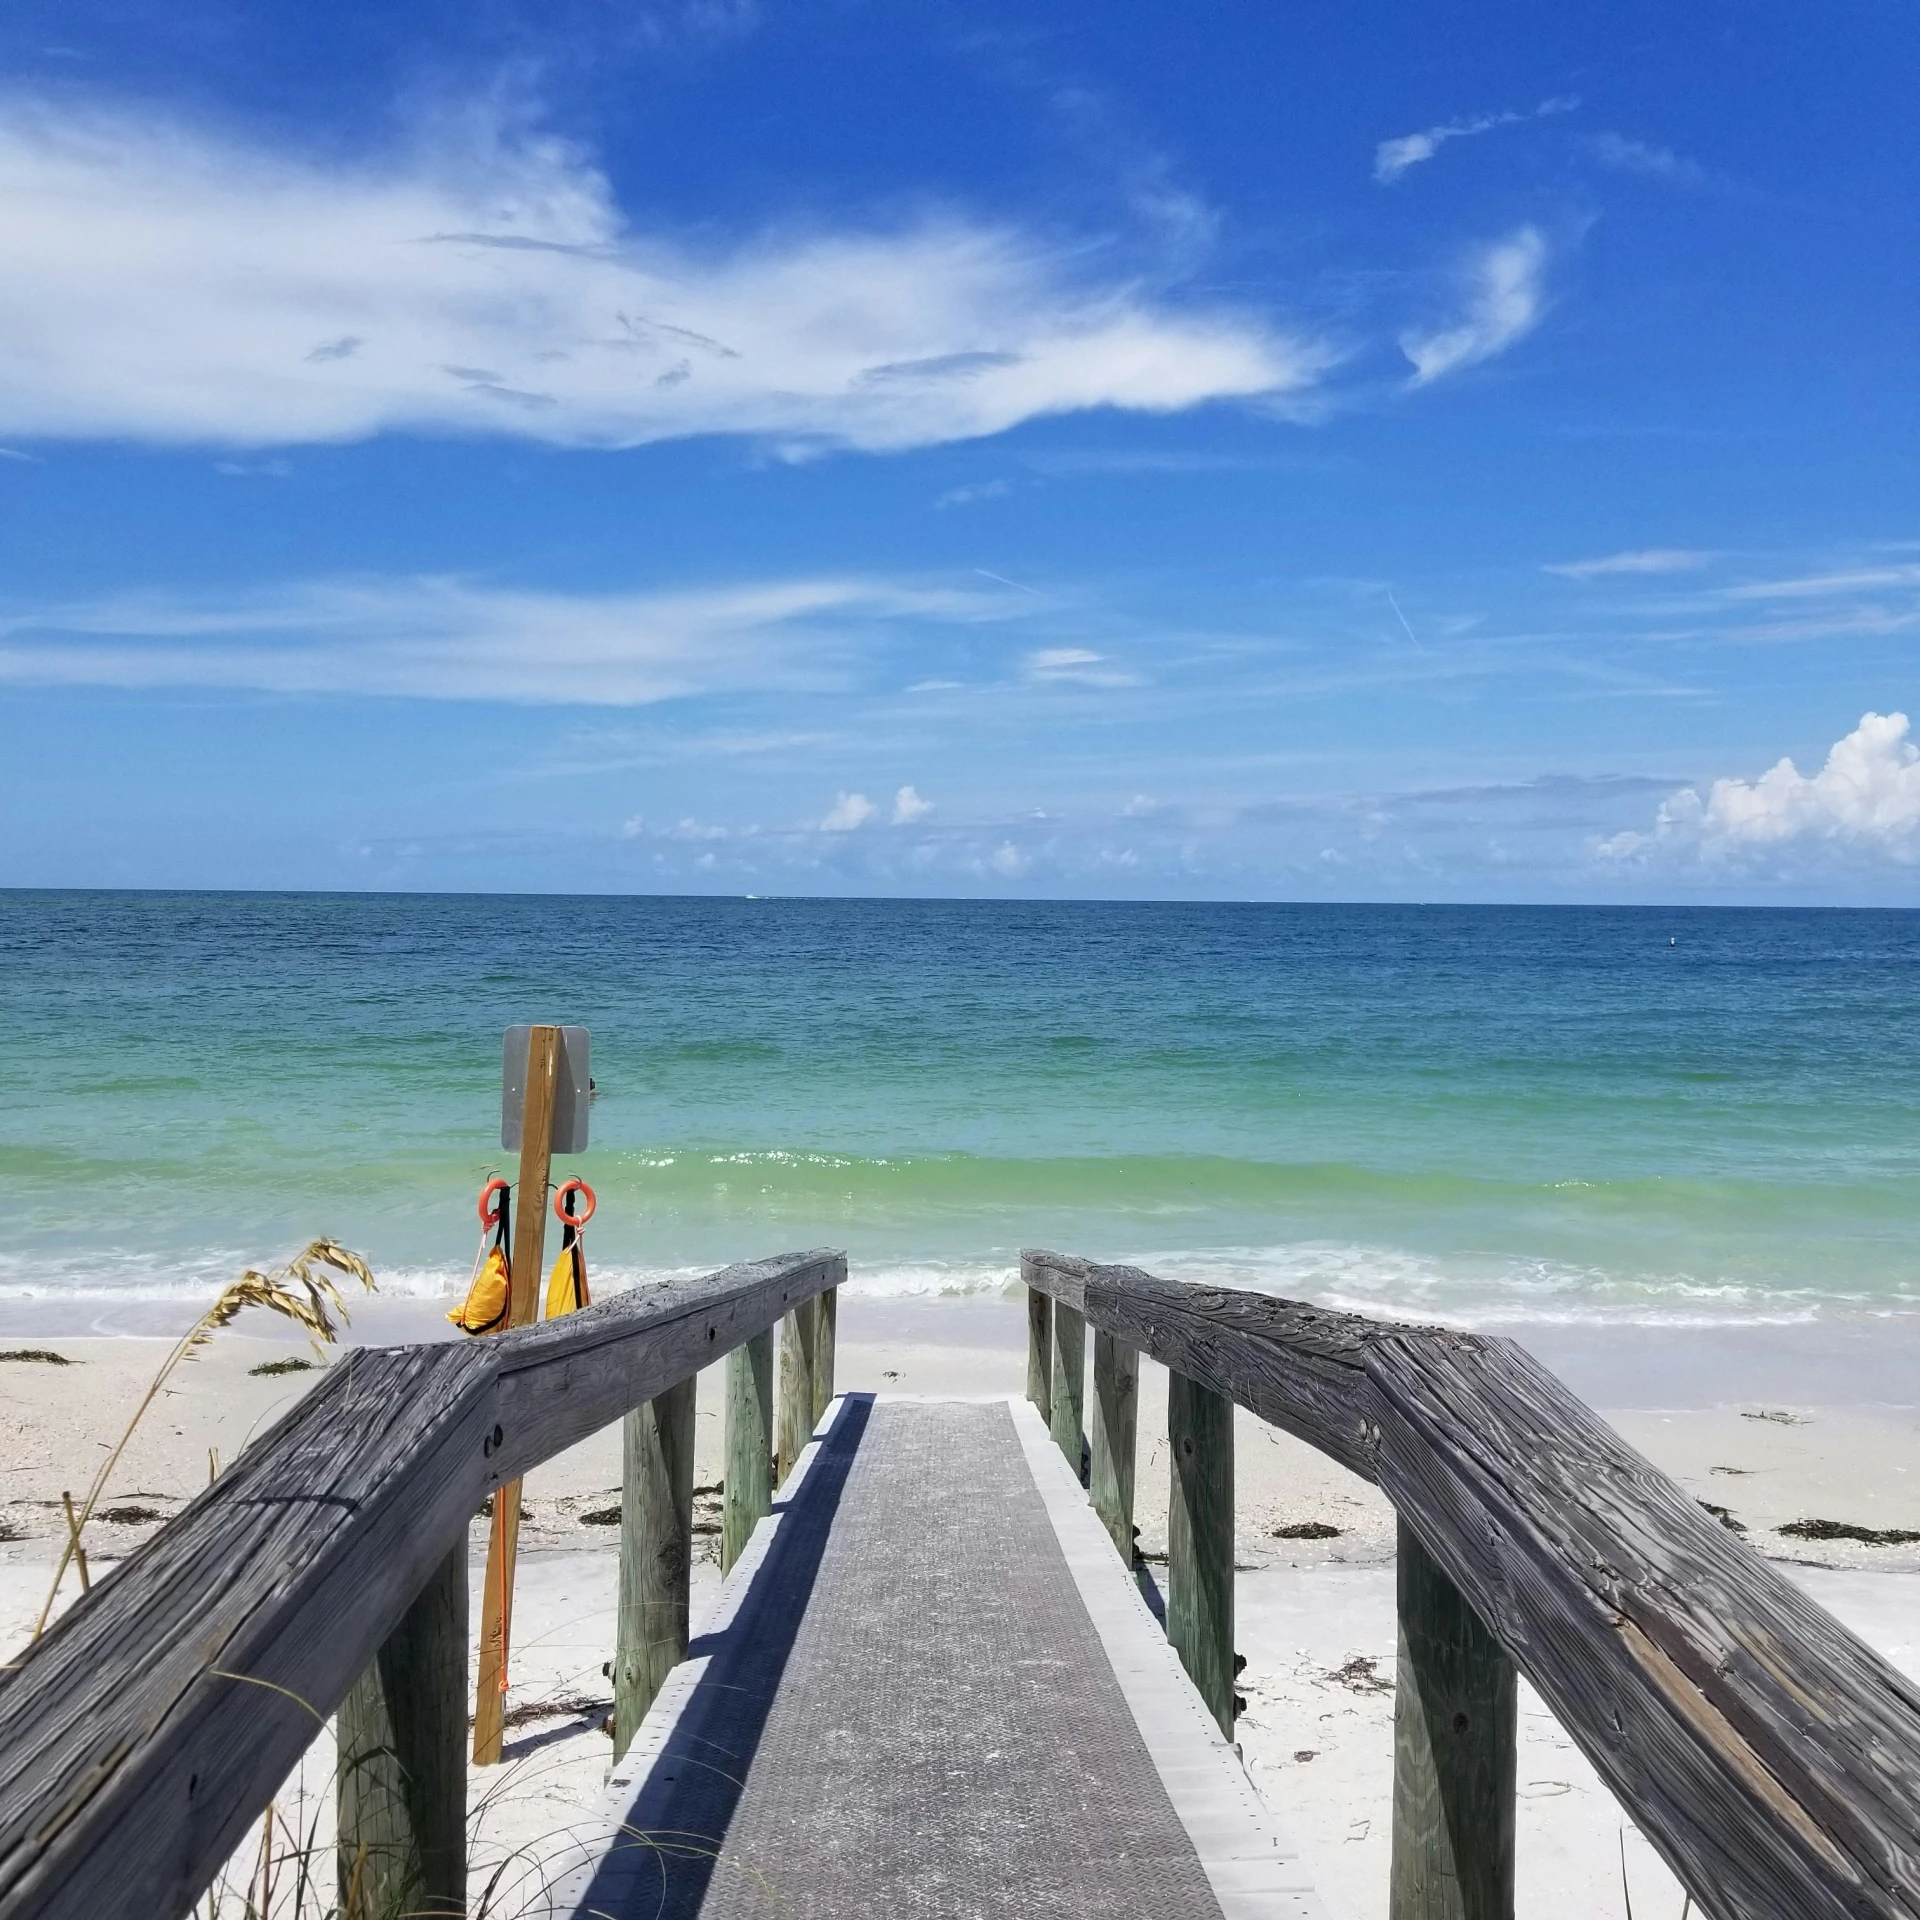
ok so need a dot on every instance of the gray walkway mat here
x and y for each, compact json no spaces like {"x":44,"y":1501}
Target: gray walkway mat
{"x":908,"y":1713}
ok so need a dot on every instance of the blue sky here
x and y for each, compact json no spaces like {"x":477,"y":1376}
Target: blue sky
{"x":1344,"y":451}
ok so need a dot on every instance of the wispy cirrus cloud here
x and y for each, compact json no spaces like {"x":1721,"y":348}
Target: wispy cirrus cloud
{"x":1505,"y":296}
{"x":453,"y":639}
{"x":1839,"y":583}
{"x":1076,"y":666}
{"x":1641,"y":560}
{"x":1648,"y":160}
{"x":1394,"y":158}
{"x":168,"y":285}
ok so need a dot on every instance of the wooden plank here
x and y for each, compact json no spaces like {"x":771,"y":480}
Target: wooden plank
{"x":1298,"y":1367}
{"x":401,"y":1772}
{"x":1068,"y":1392}
{"x":1772,"y":1759}
{"x":748,"y":1495}
{"x":529,"y":1256}
{"x":142,"y":1737}
{"x":826,"y":1335}
{"x":536,"y":1168}
{"x":1116,"y":1395}
{"x":1040,"y":1352}
{"x":565,"y":1379}
{"x":793,"y":1420}
{"x":1200,"y":1541}
{"x":656,"y":1554}
{"x":1454,"y":1728}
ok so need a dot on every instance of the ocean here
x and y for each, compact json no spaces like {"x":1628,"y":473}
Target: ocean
{"x":1494,"y":1116}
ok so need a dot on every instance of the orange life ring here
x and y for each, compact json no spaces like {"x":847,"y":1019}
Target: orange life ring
{"x":492,"y":1219}
{"x":560,"y":1204}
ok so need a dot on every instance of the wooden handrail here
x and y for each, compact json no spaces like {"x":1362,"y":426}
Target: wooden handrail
{"x":147,"y":1730}
{"x":1770,"y":1756}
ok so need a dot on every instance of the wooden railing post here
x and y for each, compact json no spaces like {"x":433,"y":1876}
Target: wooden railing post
{"x":1069,"y":1387}
{"x":1040,"y":1352}
{"x":1454,"y":1728}
{"x":656,"y":1554}
{"x":827,"y":1305}
{"x":794,"y":1421}
{"x":1200,"y":1541}
{"x":748,"y":1495}
{"x":1116,"y":1392}
{"x":401,"y":1775}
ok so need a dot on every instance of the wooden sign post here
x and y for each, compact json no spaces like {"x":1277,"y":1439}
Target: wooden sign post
{"x":550,"y":1113}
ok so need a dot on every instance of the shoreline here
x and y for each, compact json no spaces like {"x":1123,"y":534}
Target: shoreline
{"x":1757,"y":1425}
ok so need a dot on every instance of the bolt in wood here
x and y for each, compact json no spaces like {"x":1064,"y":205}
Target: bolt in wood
{"x":1200,"y":1541}
{"x":748,"y":1497}
{"x":1116,"y":1394}
{"x":1454,"y":1730}
{"x":656,"y":1554}
{"x":402,"y":1769}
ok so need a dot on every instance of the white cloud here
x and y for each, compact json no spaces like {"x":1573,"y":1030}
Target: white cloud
{"x":1866,"y":799}
{"x":168,"y":286}
{"x":909,"y":807}
{"x":1141,"y":807}
{"x":981,"y":490}
{"x":848,"y":811}
{"x":1648,"y":161}
{"x":453,"y":639}
{"x":1816,"y":586}
{"x":1076,"y":666}
{"x":1392,"y":158}
{"x":1008,"y":861}
{"x":1505,"y":299}
{"x":1641,"y":560}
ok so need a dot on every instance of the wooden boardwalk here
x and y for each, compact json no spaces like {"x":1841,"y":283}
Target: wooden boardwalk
{"x":930,"y":1687}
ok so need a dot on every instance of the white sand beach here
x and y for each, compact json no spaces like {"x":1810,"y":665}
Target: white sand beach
{"x":1718,"y":1411}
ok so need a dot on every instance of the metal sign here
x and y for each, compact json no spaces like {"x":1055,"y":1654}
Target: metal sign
{"x":571,"y":1093}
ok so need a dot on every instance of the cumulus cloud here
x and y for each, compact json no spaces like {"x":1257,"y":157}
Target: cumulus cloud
{"x":1392,"y":158}
{"x":848,"y":811}
{"x":909,"y":807}
{"x":454,"y":639}
{"x":1866,"y":800}
{"x":169,"y":286}
{"x":1506,"y":295}
{"x":1642,"y":560}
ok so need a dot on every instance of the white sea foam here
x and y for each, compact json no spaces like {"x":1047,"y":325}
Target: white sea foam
{"x":1486,"y":1291}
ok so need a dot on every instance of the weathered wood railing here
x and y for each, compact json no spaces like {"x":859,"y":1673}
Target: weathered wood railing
{"x":326,"y":1569}
{"x":1771,"y":1757}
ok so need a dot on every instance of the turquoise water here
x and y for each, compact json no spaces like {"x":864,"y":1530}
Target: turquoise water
{"x":1493,"y":1114}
